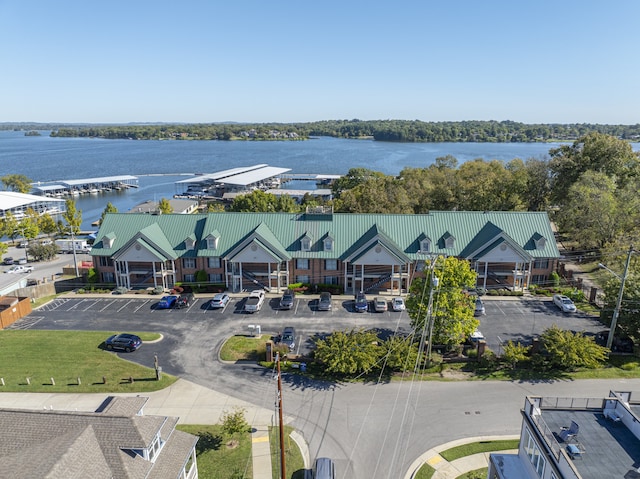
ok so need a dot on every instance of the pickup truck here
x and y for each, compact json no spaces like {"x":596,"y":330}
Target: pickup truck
{"x":20,"y":269}
{"x":254,"y":301}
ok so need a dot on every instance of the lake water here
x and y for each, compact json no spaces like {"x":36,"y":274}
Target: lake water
{"x":47,"y":159}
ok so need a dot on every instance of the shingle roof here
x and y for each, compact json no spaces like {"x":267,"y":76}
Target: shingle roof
{"x":68,"y":444}
{"x":402,"y":231}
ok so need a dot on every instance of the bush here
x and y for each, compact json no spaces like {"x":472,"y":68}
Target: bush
{"x":554,"y":277}
{"x":234,"y":422}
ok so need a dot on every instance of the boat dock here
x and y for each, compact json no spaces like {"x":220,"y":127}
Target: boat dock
{"x":92,"y":186}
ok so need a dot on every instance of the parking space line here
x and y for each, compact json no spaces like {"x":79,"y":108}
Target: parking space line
{"x":75,"y":306}
{"x":91,"y":305}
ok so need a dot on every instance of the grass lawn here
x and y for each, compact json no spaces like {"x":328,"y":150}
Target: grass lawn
{"x":478,"y":447}
{"x":217,"y":460}
{"x":248,"y":348}
{"x":66,"y":356}
{"x":294,"y":463}
{"x":425,"y":472}
{"x":477,"y":474}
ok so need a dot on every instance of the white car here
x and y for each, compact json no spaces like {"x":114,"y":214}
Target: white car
{"x":476,"y":336}
{"x":397,"y":304}
{"x":564,"y":303}
{"x":20,"y":269}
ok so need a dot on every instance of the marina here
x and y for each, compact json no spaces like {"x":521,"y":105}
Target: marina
{"x":93,"y":186}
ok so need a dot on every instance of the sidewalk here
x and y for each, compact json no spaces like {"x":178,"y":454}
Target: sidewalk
{"x":451,"y":470}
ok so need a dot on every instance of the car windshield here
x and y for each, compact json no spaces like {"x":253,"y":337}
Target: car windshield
{"x":287,"y":337}
{"x":567,"y":301}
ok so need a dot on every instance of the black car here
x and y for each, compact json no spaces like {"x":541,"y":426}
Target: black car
{"x":287,"y":300}
{"x":8,"y":260}
{"x":620,"y":344}
{"x":184,"y":300}
{"x":124,"y":341}
{"x":361,"y":304}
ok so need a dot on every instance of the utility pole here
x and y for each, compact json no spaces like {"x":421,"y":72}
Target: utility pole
{"x":73,"y":246}
{"x":616,"y":311}
{"x":283,"y":474}
{"x":433,"y":284}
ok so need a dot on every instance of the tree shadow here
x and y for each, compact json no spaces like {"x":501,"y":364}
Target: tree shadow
{"x":208,"y":442}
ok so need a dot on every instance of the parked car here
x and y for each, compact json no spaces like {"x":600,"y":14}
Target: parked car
{"x":564,"y":303}
{"x":476,"y":336}
{"x":124,"y":341}
{"x":479,"y":311}
{"x":22,"y":260}
{"x":167,"y":302}
{"x":288,"y":338}
{"x":184,"y":300}
{"x":620,"y":344}
{"x":286,"y":302}
{"x":379,"y":304}
{"x":20,"y":269}
{"x":324,"y":303}
{"x":8,"y":260}
{"x":397,"y":304}
{"x":220,"y":300}
{"x":362,"y":304}
{"x":324,"y":468}
{"x":23,"y":244}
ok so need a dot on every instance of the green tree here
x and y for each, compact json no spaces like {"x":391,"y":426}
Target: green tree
{"x":538,"y":187}
{"x":10,"y":226}
{"x":73,"y":217}
{"x":30,"y":225}
{"x":165,"y":206}
{"x":628,"y":319}
{"x":348,"y":353}
{"x":399,"y":354}
{"x":353,"y":178}
{"x":596,"y":152}
{"x":452,"y":308}
{"x":108,"y":209}
{"x":376,"y":195}
{"x":569,"y":351}
{"x":18,"y":183}
{"x":515,"y":353}
{"x":47,"y":224}
{"x":590,"y":215}
{"x":234,"y":422}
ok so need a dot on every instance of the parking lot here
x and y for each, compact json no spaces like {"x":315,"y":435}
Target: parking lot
{"x":505,"y":320}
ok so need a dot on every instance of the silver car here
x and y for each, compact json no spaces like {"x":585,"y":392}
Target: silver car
{"x":324,"y":303}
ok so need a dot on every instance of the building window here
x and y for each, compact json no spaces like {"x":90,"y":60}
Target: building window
{"x":105,"y":261}
{"x":214,"y":262}
{"x":189,"y":278}
{"x":533,"y":453}
{"x":302,"y":278}
{"x":188,"y":263}
{"x":328,"y":244}
{"x":331,"y":264}
{"x":215,"y":278}
{"x":305,"y":244}
{"x":330,"y":280}
{"x":302,"y":263}
{"x":425,"y":246}
{"x":541,"y":263}
{"x":449,"y":242}
{"x":212,"y":242}
{"x":539,"y":279}
{"x":108,"y":277}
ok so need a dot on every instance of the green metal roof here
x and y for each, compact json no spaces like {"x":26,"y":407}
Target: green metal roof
{"x":473,"y":232}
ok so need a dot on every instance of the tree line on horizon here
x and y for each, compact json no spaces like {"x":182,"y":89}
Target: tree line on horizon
{"x":379,"y":130}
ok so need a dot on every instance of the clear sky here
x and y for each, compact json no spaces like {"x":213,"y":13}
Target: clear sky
{"x":116,"y":61}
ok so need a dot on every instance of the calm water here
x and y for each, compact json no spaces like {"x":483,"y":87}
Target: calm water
{"x":47,"y":159}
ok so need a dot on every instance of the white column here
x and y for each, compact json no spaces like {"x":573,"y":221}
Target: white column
{"x":486,"y":269}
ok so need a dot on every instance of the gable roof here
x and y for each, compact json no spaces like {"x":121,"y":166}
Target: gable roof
{"x":70,"y":444}
{"x":282,"y":232}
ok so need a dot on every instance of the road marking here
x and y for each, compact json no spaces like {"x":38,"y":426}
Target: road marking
{"x":435,"y":460}
{"x":106,"y":306}
{"x":260,"y":439}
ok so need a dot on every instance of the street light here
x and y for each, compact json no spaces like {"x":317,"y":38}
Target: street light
{"x":616,"y":311}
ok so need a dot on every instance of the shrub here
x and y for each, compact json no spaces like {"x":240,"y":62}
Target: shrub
{"x":234,"y":422}
{"x":554,"y":277}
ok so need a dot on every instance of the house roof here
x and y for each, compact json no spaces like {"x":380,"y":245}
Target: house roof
{"x":71,"y":444}
{"x":473,"y":232}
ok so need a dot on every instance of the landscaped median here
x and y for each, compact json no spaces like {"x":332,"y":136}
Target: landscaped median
{"x":35,"y":361}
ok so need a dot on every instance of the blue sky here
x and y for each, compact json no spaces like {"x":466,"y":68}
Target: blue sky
{"x":256,"y":61}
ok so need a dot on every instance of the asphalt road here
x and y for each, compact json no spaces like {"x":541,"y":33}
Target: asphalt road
{"x":371,"y":430}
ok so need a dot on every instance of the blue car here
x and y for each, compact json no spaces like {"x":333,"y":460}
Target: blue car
{"x":126,"y":342}
{"x":361,"y":304}
{"x":167,"y":302}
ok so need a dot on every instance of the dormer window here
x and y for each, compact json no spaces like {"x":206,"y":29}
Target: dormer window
{"x":212,"y":242}
{"x":108,"y":240}
{"x":190,"y":242}
{"x":305,"y":243}
{"x":425,"y":245}
{"x":540,"y":242}
{"x":328,"y":243}
{"x":449,"y":240}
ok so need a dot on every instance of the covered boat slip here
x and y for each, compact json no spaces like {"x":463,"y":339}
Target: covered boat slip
{"x":86,"y":185}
